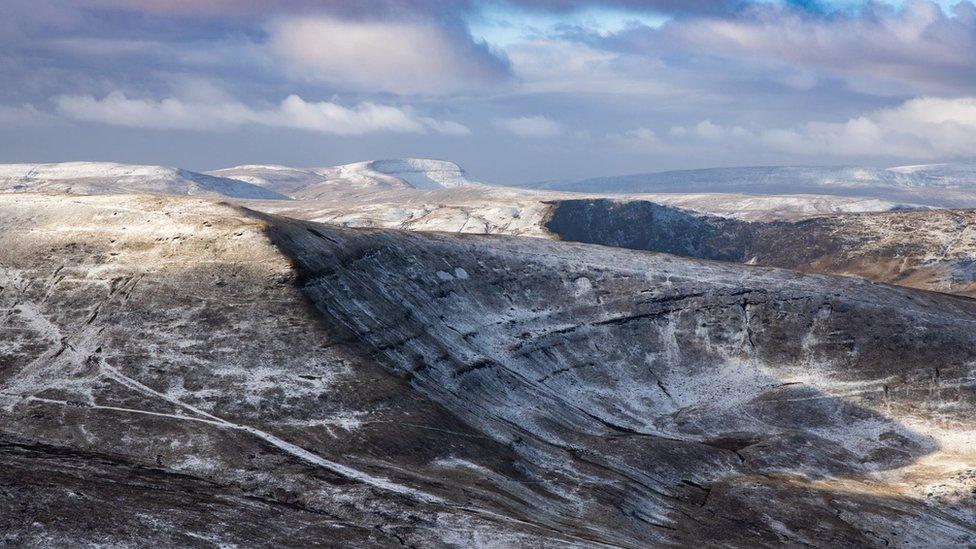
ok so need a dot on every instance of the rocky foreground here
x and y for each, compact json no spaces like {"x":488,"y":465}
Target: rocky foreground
{"x":183,"y":371}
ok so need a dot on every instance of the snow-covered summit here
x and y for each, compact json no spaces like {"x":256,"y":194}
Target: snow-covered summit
{"x":422,"y":173}
{"x":111,"y":178}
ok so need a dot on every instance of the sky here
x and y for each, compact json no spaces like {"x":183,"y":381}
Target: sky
{"x":514,"y":91}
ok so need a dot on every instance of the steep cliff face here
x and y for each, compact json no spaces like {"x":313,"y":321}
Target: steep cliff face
{"x":235,"y":377}
{"x":931,"y":250}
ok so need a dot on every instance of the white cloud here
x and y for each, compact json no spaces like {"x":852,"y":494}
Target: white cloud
{"x":389,"y":56}
{"x":530,"y":126}
{"x":293,"y":112}
{"x":918,"y":45}
{"x":925,"y":128}
{"x":640,"y":139}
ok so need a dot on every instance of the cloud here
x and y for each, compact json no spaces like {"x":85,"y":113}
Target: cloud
{"x":640,"y":139}
{"x":923,"y":129}
{"x":918,"y":47}
{"x":530,"y":126}
{"x":403,"y":7}
{"x":294,"y":112}
{"x":415,"y":57}
{"x":563,"y":66}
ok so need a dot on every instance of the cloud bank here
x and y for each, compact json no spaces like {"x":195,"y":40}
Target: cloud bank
{"x":920,"y":129}
{"x":293,"y":112}
{"x":919,"y":46}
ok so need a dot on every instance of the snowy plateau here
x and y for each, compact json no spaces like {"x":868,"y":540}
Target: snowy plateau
{"x":390,"y":353}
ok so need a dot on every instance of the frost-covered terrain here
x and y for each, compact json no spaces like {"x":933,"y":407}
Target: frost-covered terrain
{"x":179,"y":371}
{"x":403,"y":193}
{"x":318,"y":183}
{"x":482,"y":209}
{"x":108,"y":178}
{"x":431,"y":195}
{"x":942,"y":185}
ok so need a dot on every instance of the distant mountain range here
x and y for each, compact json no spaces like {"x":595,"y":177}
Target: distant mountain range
{"x":933,"y":185}
{"x":242,"y":182}
{"x":310,"y":183}
{"x":109,"y":178}
{"x":945,"y":185}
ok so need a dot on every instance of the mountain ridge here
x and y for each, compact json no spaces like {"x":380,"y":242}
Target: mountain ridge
{"x":111,"y":177}
{"x":311,"y":183}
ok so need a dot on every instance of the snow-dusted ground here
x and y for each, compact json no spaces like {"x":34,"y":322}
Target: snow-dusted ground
{"x":431,"y":195}
{"x":483,"y":209}
{"x":415,"y":194}
{"x":184,"y":369}
{"x":108,"y":178}
{"x":281,"y":179}
{"x":177,"y":369}
{"x":313,"y":183}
